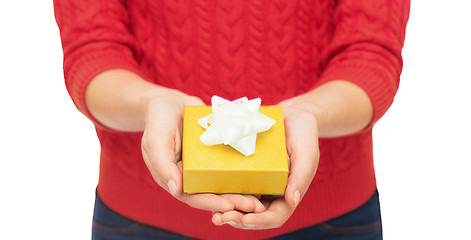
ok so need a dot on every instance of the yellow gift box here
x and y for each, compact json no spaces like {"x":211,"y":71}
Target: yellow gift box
{"x":222,"y":169}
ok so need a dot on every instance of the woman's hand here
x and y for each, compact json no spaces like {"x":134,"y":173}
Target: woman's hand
{"x":303,"y":152}
{"x":121,"y":100}
{"x":161,"y":149}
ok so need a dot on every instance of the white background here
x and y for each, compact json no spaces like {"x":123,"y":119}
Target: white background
{"x":49,"y":152}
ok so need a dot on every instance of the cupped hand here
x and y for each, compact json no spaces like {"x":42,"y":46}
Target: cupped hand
{"x":303,"y":151}
{"x":161,"y":149}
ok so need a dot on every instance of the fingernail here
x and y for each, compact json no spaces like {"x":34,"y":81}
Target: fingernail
{"x":172,"y":187}
{"x":249,"y":225}
{"x":232,"y":223}
{"x":296,"y":197}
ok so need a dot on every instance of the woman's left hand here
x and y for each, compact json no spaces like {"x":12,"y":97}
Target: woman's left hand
{"x":303,"y":153}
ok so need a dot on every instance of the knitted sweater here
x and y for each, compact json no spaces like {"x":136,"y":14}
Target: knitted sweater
{"x":273,"y":49}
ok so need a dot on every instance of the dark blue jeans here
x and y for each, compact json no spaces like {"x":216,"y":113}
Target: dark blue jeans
{"x":363,"y":223}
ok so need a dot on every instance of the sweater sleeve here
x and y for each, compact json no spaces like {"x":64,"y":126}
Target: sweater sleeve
{"x":366,"y":48}
{"x":94,"y":38}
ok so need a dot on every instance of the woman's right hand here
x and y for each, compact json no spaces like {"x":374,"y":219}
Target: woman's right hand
{"x":122,"y":100}
{"x":161,"y":149}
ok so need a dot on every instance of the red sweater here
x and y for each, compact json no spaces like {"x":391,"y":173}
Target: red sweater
{"x":273,"y":49}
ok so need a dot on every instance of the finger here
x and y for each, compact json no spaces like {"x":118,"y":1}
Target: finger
{"x":304,"y":157}
{"x":217,"y":219}
{"x":259,"y":207}
{"x":161,"y":144}
{"x":245,"y":203}
{"x":275,"y":216}
{"x":166,"y":129}
{"x":180,"y":166}
{"x":303,"y":168}
{"x":207,"y":201}
{"x":234,"y":218}
{"x":160,"y":159}
{"x":194,"y":101}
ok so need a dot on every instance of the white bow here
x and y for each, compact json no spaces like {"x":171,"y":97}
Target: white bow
{"x":235,"y":123}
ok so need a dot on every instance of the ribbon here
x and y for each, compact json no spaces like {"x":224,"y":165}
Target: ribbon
{"x":235,"y":124}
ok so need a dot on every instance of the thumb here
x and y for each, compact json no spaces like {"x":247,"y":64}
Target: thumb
{"x":302,"y":170}
{"x":162,"y":163}
{"x":193,"y":101}
{"x":161,"y":144}
{"x":303,"y":153}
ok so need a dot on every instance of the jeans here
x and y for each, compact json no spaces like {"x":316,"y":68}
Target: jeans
{"x":363,"y":223}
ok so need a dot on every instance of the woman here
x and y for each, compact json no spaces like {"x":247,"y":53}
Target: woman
{"x":334,"y":67}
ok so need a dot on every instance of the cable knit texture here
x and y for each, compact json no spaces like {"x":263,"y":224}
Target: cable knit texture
{"x":273,"y":49}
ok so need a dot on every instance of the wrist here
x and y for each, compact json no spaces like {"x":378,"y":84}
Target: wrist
{"x":119,"y":99}
{"x":340,"y":108}
{"x":151,"y":98}
{"x":304,"y":104}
